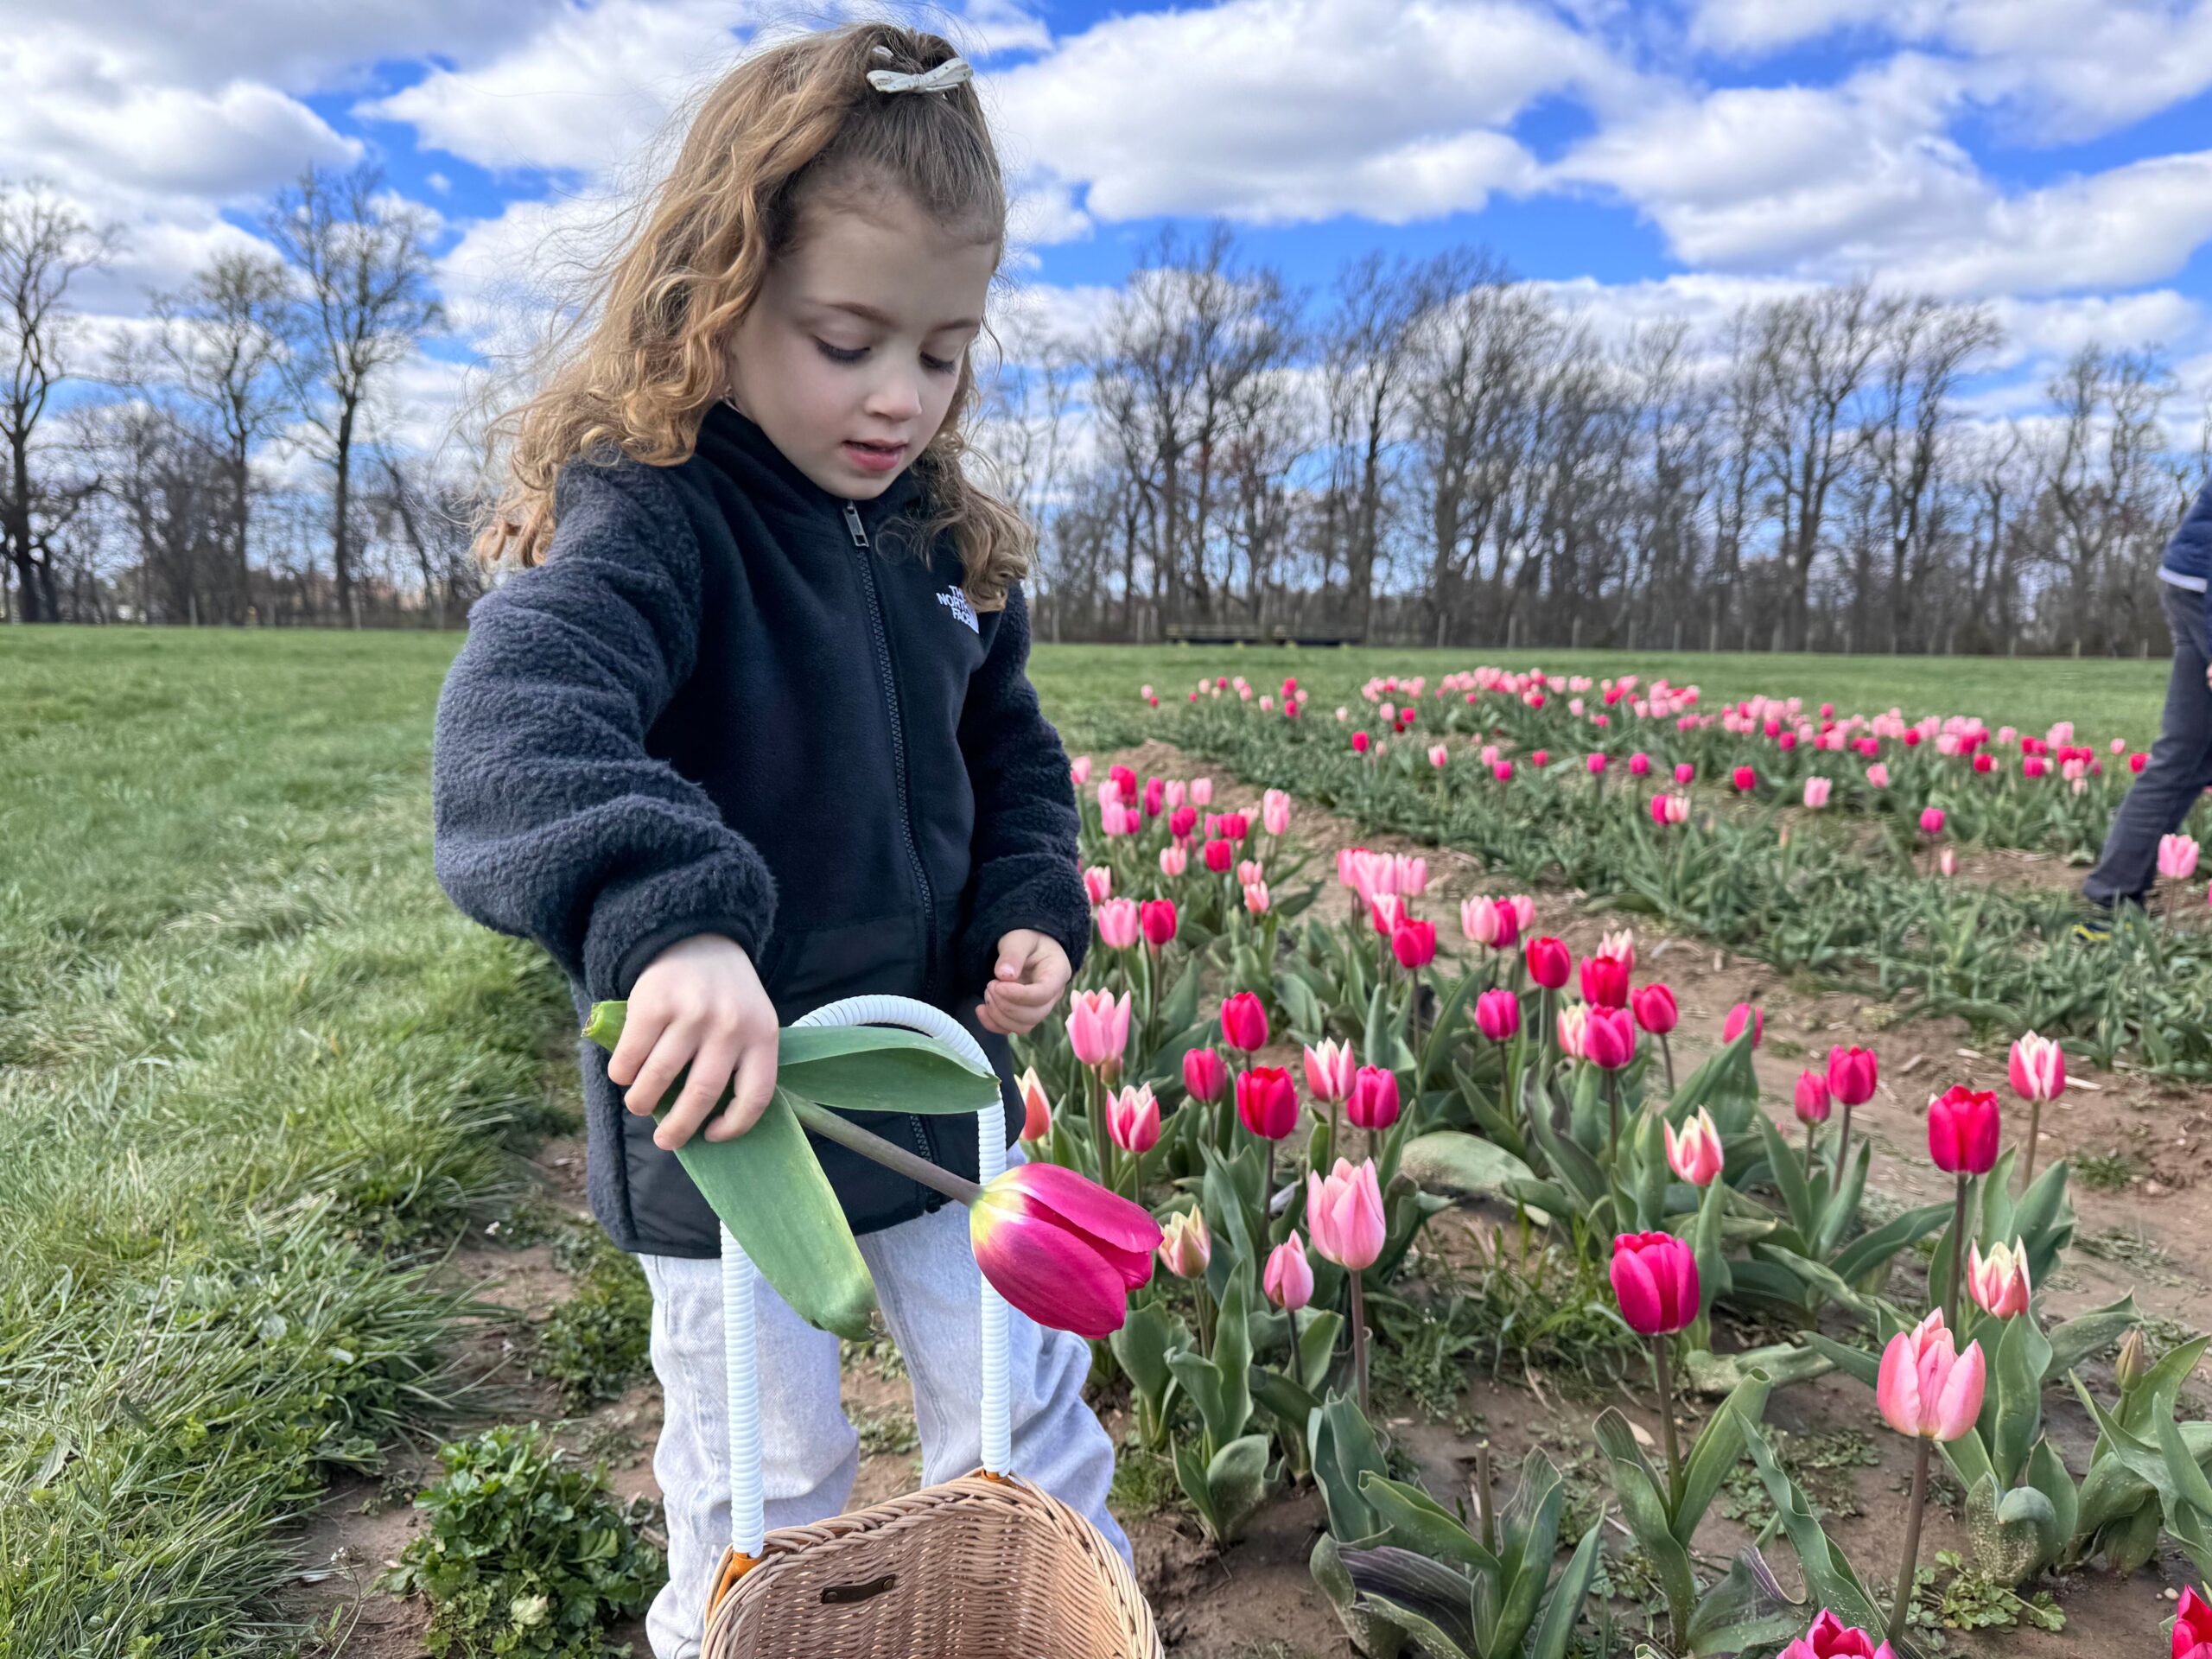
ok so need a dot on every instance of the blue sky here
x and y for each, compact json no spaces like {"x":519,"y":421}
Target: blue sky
{"x":2050,"y":157}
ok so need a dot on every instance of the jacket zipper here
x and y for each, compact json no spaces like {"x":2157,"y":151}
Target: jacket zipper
{"x":914,"y":1125}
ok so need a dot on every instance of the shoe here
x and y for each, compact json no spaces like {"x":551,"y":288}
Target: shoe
{"x":2097,"y":931}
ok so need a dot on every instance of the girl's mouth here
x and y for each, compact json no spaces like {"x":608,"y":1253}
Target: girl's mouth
{"x":874,"y":458}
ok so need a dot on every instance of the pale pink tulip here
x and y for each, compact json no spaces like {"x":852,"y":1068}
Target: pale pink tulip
{"x":1345,"y":1214}
{"x":1133,"y":1118}
{"x":1878,"y":775}
{"x":1079,"y":770}
{"x":1330,"y":1070}
{"x":1288,"y":1281}
{"x":1256,"y":898}
{"x":1099,"y":883}
{"x":1174,"y":859}
{"x":2037,"y":1068}
{"x":1694,"y":1155}
{"x":2176,"y":857}
{"x":1620,"y":944}
{"x":1098,"y":1026}
{"x":1998,"y":1281}
{"x":1185,"y":1245}
{"x":1118,"y":920}
{"x":1275,"y":811}
{"x":1817,"y":791}
{"x":1925,"y":1387}
{"x":1201,"y":792}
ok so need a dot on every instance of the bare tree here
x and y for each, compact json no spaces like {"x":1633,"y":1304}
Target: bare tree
{"x":363,"y":302}
{"x":2101,"y":478}
{"x":1368,"y":379}
{"x":45,"y":245}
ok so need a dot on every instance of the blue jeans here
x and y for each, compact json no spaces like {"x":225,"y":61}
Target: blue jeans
{"x":929,"y":1289}
{"x":2180,"y":767}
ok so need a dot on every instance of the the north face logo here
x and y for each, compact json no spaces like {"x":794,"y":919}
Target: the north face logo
{"x":957,"y":601}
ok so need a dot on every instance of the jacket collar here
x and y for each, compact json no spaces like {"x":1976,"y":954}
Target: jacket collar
{"x":736,"y":445}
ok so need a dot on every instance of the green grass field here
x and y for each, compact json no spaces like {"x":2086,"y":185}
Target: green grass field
{"x":249,"y":1053}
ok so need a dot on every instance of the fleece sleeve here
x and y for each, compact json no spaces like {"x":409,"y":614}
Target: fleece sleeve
{"x":551,"y":821}
{"x":1026,"y":871}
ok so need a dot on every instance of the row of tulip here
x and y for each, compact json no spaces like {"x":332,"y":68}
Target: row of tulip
{"x":1594,"y":1038}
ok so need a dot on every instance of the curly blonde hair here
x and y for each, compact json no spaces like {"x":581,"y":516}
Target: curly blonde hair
{"x":793,"y":128}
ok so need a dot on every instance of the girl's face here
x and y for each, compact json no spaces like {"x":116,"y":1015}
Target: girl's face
{"x":849,"y":358}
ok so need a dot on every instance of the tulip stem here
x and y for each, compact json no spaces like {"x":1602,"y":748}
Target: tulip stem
{"x":1958,"y":1252}
{"x":1843,"y":1145}
{"x":1916,"y":1505}
{"x":1359,"y":1343}
{"x":2035,"y":1125}
{"x":1613,"y":1105}
{"x":831,"y":1127}
{"x":1267,"y":1193}
{"x":1664,"y":1373}
{"x":1809,"y":1151}
{"x":1668,"y":1050}
{"x":1484,"y":1503}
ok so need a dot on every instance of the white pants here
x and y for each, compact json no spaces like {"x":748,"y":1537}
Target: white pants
{"x":928,"y":1286}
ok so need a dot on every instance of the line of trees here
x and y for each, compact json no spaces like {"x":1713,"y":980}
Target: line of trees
{"x":1433,"y":452}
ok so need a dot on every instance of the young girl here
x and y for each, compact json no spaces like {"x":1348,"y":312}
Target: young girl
{"x":750,"y":732}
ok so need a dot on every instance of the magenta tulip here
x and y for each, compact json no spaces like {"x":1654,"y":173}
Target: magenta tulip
{"x":1245,"y":1022}
{"x":1267,"y":1102}
{"x":1609,"y":1038}
{"x":1811,"y":1100}
{"x":1831,"y":1638}
{"x":1157,"y":918}
{"x":1549,"y":964}
{"x":1205,"y":1076}
{"x":1655,"y":1010}
{"x":1604,"y":981}
{"x":1655,"y":1280}
{"x":1743,"y":1014}
{"x":1061,"y":1247}
{"x":1497,"y":1015}
{"x":1373,"y":1103}
{"x":1962,"y":1130}
{"x":1413,"y":943}
{"x":2192,"y":1637}
{"x":1851,"y":1074}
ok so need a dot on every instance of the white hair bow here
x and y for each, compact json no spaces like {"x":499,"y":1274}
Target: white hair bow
{"x":943,"y":79}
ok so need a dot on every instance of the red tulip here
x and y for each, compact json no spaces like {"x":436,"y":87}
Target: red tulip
{"x":1413,"y":943}
{"x":1655,"y":1280}
{"x":1811,"y":1103}
{"x":1654,"y":1008}
{"x":1549,"y":965}
{"x":1604,"y":981}
{"x":1497,"y":1014}
{"x":1962,"y":1130}
{"x":1267,"y":1102}
{"x":1374,"y":1101}
{"x":1203,"y":1075}
{"x":1061,"y":1248}
{"x":1851,"y":1075}
{"x":1244,"y":1021}
{"x":1220,"y":855}
{"x":1158,"y":919}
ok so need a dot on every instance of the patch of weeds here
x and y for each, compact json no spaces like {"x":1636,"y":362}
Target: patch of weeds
{"x":1541,"y":1307}
{"x":1785,"y":1047}
{"x":609,"y":1439}
{"x":2130,"y":1248}
{"x":1144,"y":1481}
{"x":1972,"y":1600}
{"x":1820,"y":1463}
{"x":878,"y":1354}
{"x":2164,"y":1335}
{"x":2107,"y":1172}
{"x":534,"y":1220}
{"x":599,"y":1340}
{"x":524,"y":1554}
{"x":1419,"y":1360}
{"x":887,"y":1429}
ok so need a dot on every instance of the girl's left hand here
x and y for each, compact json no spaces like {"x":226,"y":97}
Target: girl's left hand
{"x":1033,"y":970}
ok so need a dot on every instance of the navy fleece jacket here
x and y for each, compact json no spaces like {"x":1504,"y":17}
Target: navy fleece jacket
{"x":729,"y":701}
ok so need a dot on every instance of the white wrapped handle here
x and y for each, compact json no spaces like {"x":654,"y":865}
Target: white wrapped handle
{"x":748,"y":1530}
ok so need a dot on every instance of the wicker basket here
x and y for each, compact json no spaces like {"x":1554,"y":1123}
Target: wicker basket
{"x":985,"y":1567}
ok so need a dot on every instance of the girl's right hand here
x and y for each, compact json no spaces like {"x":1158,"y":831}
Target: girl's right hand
{"x":700,"y":1003}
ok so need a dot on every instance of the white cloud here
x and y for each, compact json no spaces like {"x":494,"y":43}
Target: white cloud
{"x":1279,"y":113}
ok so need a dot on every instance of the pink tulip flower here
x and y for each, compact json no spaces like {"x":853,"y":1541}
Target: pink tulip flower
{"x":1694,"y":1155}
{"x":1925,"y":1387}
{"x":1609,"y":1038}
{"x":1244,"y":1021}
{"x":1133,"y":1118}
{"x":1036,"y":1109}
{"x":1655,"y":1280}
{"x":2192,"y":1637}
{"x":1655,"y":1009}
{"x":2038,"y":1069}
{"x":1099,"y":883}
{"x":1061,"y":1247}
{"x":1817,"y":791}
{"x":1288,"y":1279}
{"x":1497,"y":1015}
{"x":1851,"y":1074}
{"x":1831,"y":1638}
{"x":1998,"y":1281}
{"x":1185,"y":1246}
{"x":1811,"y":1101}
{"x":1345,"y":1214}
{"x":1267,"y":1102}
{"x":1962,"y":1130}
{"x":1329,"y":1070}
{"x":1098,"y":1026}
{"x":1743,"y":1014}
{"x":1931,"y":821}
{"x":2176,"y":857}
{"x":1373,"y":1103}
{"x":1878,"y":775}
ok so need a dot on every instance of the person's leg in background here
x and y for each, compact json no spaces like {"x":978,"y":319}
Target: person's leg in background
{"x":809,"y":1451}
{"x":930,"y":1289}
{"x":2179,"y":768}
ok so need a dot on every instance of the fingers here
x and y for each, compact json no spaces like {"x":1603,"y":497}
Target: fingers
{"x":755,"y":1086}
{"x":711,"y":1064}
{"x":641,"y":1030}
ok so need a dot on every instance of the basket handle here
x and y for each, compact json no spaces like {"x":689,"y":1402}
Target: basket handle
{"x":748,"y":1530}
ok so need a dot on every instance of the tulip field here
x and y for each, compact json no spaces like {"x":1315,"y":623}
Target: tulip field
{"x":1640,"y":1165}
{"x":1396,"y":1129}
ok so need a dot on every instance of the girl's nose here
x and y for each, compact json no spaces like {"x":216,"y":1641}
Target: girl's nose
{"x":895,"y":399}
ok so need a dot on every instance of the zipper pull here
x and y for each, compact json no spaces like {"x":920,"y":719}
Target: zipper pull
{"x":853,"y":524}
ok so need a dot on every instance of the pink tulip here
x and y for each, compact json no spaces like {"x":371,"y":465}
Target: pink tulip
{"x":1079,"y":770}
{"x":1288,"y":1279}
{"x":1061,"y":1248}
{"x":1256,"y":900}
{"x":1118,"y":923}
{"x":1655,"y":1010}
{"x":1329,"y":1070}
{"x":2176,"y":857}
{"x":1927,"y":1388}
{"x":1812,"y":1099}
{"x":1549,"y":964}
{"x":1037,"y":1110}
{"x":1201,"y":792}
{"x":1998,"y":1281}
{"x":1604,"y":981}
{"x":1497,"y":1015}
{"x":1946,"y":862}
{"x":1275,"y":811}
{"x":1524,"y":910}
{"x":1345,"y":1214}
{"x":1133,"y":1118}
{"x":1204,"y":1076}
{"x":1174,"y":860}
{"x":1244,"y":1021}
{"x":2192,"y":1637}
{"x":1816,"y":793}
{"x":1831,"y":1638}
{"x":1962,"y":1130}
{"x":1098,"y":882}
{"x":1931,"y":821}
{"x":1185,"y":1246}
{"x":1573,"y":1020}
{"x":1851,"y":1074}
{"x":1743,"y":1014}
{"x":1156,"y":919}
{"x":2037,"y":1070}
{"x":1694,"y":1155}
{"x":1683,"y":773}
{"x":1609,"y":1038}
{"x":1655,"y":1280}
{"x":1373,"y":1103}
{"x":1098,"y":1026}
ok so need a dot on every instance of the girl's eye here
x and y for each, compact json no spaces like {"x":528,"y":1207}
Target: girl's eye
{"x":935,"y":366}
{"x":841,"y":354}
